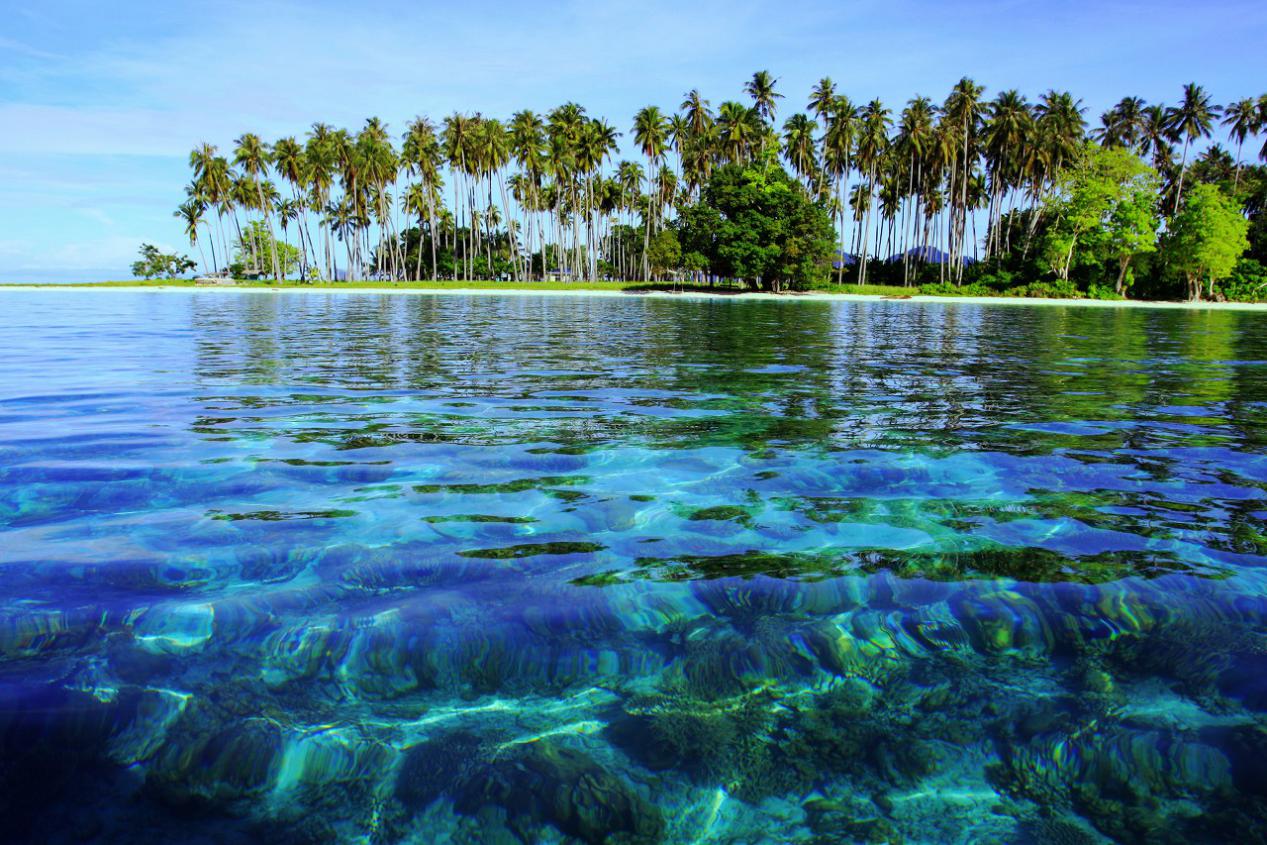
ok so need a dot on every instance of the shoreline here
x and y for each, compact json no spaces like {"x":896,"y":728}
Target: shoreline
{"x":806,"y":296}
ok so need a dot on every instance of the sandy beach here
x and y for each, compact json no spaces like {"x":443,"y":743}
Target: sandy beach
{"x":813,"y":296}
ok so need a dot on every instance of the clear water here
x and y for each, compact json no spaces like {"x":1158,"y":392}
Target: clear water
{"x":372,"y":568}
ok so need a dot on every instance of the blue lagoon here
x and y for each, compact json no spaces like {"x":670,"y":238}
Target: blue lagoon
{"x":429,"y":568}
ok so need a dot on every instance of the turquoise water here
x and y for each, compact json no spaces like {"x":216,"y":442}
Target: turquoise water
{"x":378,"y":569}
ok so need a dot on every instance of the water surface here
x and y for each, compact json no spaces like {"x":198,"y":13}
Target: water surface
{"x":373,"y":568}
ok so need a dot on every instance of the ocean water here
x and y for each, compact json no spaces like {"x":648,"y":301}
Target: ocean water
{"x":362,"y":568}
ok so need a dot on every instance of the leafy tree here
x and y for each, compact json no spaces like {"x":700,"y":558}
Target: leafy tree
{"x":759,"y":225}
{"x":665,"y":252}
{"x":258,"y":241}
{"x":157,"y":264}
{"x":1104,"y":205}
{"x":1206,"y":238}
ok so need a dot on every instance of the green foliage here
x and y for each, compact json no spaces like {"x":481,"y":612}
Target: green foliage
{"x":1058,"y":289}
{"x":156,"y":264}
{"x":253,"y":257}
{"x":1103,"y":207}
{"x":1248,"y":282}
{"x":664,"y":252}
{"x":759,"y":225}
{"x":1206,"y":238}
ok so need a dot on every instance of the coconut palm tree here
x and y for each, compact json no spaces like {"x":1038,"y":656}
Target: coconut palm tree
{"x":963,"y":111}
{"x":765,"y":99}
{"x":253,"y":156}
{"x":822,"y":98}
{"x":1241,"y":118}
{"x":192,"y":212}
{"x":291,"y":163}
{"x":838,"y":144}
{"x":320,"y":156}
{"x":213,"y":182}
{"x":421,"y":156}
{"x":799,"y":146}
{"x":1122,"y":125}
{"x":1193,"y":118}
{"x":650,"y":131}
{"x":1008,"y":129}
{"x":915,"y":139}
{"x":873,"y":145}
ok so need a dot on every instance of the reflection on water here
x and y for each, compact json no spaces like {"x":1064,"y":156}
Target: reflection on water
{"x":515,"y":569}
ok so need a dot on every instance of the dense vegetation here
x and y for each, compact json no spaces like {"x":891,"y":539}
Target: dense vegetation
{"x":997,"y":195}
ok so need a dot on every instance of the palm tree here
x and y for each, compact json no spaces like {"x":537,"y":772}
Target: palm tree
{"x":212,"y":182}
{"x":455,"y":140}
{"x":291,"y":162}
{"x":421,"y":156}
{"x":1122,"y":125}
{"x":320,"y":155}
{"x":822,"y":98}
{"x":873,"y":144}
{"x":1008,"y":129}
{"x":1241,"y":117}
{"x":191,"y":213}
{"x":761,"y":89}
{"x":253,"y":156}
{"x":838,"y":143}
{"x":527,"y":145}
{"x":1190,"y":120}
{"x":963,"y":111}
{"x":1262,"y":124}
{"x":737,"y":127}
{"x":650,"y":131}
{"x":379,"y":165}
{"x":798,"y":139}
{"x":914,"y":142}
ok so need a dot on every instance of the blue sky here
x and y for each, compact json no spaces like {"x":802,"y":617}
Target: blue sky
{"x":100,"y":103}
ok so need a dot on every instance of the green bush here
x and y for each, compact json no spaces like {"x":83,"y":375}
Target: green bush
{"x":1103,"y":292}
{"x":1248,"y":282}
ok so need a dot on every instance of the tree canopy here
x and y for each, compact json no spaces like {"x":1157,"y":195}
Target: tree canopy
{"x":982,"y":187}
{"x":154,"y":263}
{"x":760,"y":225}
{"x":1206,"y":238}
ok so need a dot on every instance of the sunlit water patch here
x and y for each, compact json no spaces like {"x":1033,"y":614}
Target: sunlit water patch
{"x":379,"y":569}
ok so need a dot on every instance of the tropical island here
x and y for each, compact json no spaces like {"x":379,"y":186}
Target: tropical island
{"x":973,"y":196}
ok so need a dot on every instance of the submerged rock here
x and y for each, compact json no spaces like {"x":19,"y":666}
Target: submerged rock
{"x":545,"y":783}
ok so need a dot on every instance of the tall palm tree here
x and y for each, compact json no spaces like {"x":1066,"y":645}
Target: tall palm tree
{"x":1122,"y":125}
{"x":191,"y":212}
{"x":320,"y":155}
{"x":1008,"y":129}
{"x":799,"y":146}
{"x":738,"y":127}
{"x":420,"y":154}
{"x":253,"y":156}
{"x":291,"y":162}
{"x":1262,"y":124}
{"x":838,"y":144}
{"x":765,"y":99}
{"x":527,"y":145}
{"x":964,"y":110}
{"x":213,"y":182}
{"x":650,"y":131}
{"x":915,"y":138}
{"x":455,"y":139}
{"x":379,"y":166}
{"x":1193,"y":118}
{"x":873,"y":145}
{"x":1241,"y":118}
{"x":822,"y":98}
